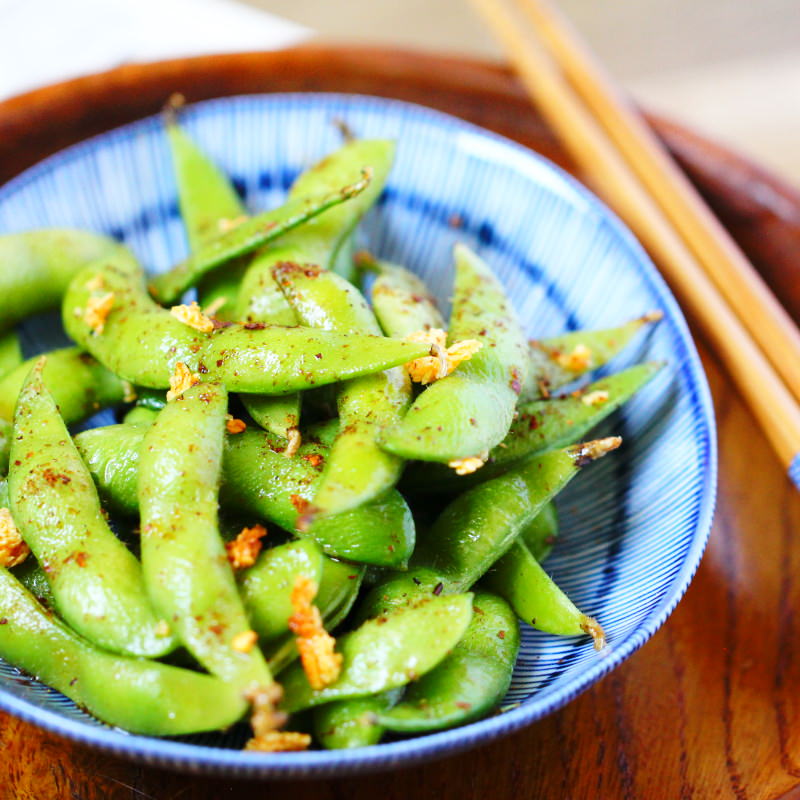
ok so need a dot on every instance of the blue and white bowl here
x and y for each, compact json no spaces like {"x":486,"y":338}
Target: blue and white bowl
{"x":634,"y":525}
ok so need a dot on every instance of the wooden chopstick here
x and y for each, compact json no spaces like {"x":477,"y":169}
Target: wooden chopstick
{"x":738,"y":281}
{"x":757,"y":381}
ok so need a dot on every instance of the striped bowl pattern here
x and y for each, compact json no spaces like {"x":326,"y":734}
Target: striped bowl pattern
{"x":634,"y":525}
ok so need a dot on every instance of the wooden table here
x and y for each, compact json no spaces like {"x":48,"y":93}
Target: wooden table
{"x":710,"y":707}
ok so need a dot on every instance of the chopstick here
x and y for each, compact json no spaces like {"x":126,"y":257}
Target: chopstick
{"x":740,"y":284}
{"x":604,"y":165}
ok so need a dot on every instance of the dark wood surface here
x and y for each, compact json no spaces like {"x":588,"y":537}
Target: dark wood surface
{"x":709,"y":708}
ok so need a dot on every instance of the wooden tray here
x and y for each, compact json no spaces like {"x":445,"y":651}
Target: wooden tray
{"x":710,"y":706}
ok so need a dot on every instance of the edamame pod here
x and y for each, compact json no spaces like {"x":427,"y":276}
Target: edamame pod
{"x":80,"y":387}
{"x":140,"y":415}
{"x":541,"y":425}
{"x":259,"y":480}
{"x":540,"y":535}
{"x":249,"y":236}
{"x":136,"y":694}
{"x":467,"y":684}
{"x":205,"y":195}
{"x":352,"y":723}
{"x":479,"y":526}
{"x":10,"y":352}
{"x":386,"y":653}
{"x":401,"y":301}
{"x":470,"y":411}
{"x":96,"y":582}
{"x":338,"y":590}
{"x":559,"y":360}
{"x":79,"y":384}
{"x":186,"y":569}
{"x":142,"y":342}
{"x":208,"y":203}
{"x":38,"y":266}
{"x":266,"y":587}
{"x":356,"y":470}
{"x":534,"y":595}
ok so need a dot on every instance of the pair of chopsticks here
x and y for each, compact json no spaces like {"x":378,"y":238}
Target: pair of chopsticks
{"x":750,"y":331}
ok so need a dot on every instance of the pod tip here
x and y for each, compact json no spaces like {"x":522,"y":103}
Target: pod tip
{"x":586,"y":452}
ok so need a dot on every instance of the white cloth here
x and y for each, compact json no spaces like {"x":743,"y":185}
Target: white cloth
{"x":45,"y":41}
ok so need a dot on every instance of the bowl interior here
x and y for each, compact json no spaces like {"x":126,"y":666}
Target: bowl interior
{"x":633,"y":526}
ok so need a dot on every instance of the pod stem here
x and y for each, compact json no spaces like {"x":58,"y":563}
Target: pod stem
{"x":586,"y":452}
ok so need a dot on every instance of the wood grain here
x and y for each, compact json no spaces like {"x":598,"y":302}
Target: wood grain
{"x":709,"y":707}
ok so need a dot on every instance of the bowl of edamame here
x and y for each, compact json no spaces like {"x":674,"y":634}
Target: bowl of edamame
{"x":337,"y":434}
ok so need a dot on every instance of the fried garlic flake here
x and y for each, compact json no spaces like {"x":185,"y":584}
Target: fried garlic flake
{"x":265,"y":700}
{"x":578,"y":360}
{"x":193,"y":316}
{"x":468,"y":465}
{"x":244,"y":642}
{"x":279,"y":742}
{"x":97,"y":309}
{"x":295,"y":439}
{"x":96,"y":284}
{"x":234,"y":426}
{"x":13,"y":550}
{"x":244,"y":549}
{"x":182,"y":379}
{"x":321,"y":663}
{"x":596,"y":398}
{"x":225,"y":225}
{"x":445,"y":359}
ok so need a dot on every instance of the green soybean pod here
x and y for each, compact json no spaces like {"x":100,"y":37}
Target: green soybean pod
{"x":338,"y":590}
{"x":10,"y":352}
{"x":205,"y":194}
{"x":5,"y":443}
{"x":34,"y":579}
{"x":536,"y":598}
{"x":386,"y":653}
{"x":357,"y":469}
{"x":539,"y":426}
{"x":250,"y":235}
{"x":353,"y":723}
{"x":96,"y":582}
{"x":266,"y":587}
{"x":559,"y":360}
{"x":540,"y":535}
{"x":140,"y":415}
{"x":136,"y":694}
{"x":320,"y":240}
{"x":142,"y":342}
{"x":208,"y":201}
{"x":38,"y":266}
{"x":480,"y":526}
{"x":470,"y":411}
{"x":401,"y":301}
{"x":186,"y":569}
{"x":470,"y":682}
{"x":79,"y":384}
{"x":259,"y":480}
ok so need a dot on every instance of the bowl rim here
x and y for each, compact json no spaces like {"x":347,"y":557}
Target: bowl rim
{"x":202,"y":759}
